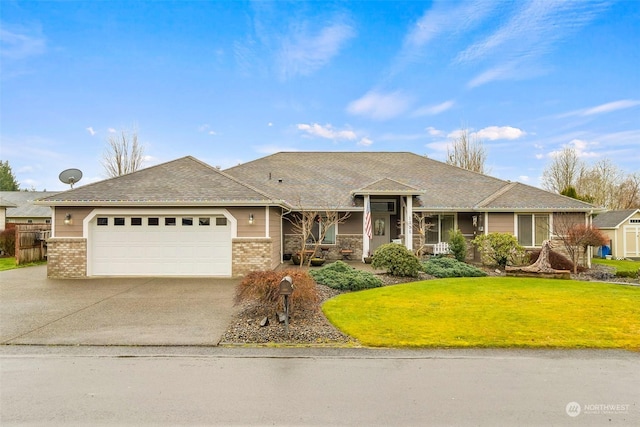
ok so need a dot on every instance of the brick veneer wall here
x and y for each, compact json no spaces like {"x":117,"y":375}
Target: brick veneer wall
{"x":66,"y":257}
{"x":249,"y":254}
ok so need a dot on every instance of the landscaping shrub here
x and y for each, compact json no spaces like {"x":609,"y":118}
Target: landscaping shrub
{"x":557,"y":260}
{"x":263,"y":287}
{"x":458,"y":245}
{"x":396,"y":260}
{"x":499,"y":249}
{"x":443,"y":267}
{"x":8,"y":241}
{"x":339,"y":275}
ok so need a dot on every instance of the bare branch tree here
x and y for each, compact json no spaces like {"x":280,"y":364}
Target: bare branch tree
{"x":576,"y":236}
{"x":423,"y":223}
{"x":123,"y":154}
{"x":467,"y":152}
{"x":563,"y":172}
{"x":304,"y":222}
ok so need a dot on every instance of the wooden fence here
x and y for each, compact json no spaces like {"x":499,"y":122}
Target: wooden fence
{"x":31,"y":242}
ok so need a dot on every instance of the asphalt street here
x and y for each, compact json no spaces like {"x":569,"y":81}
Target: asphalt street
{"x":293,"y":386}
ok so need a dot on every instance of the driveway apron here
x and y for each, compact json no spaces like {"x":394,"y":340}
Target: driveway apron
{"x":112,"y":311}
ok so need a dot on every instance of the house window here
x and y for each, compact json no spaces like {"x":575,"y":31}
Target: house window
{"x":187,"y":221}
{"x":153,"y":221}
{"x":136,"y":221}
{"x":118,"y":221}
{"x":102,"y":220}
{"x":204,"y":221}
{"x":439,"y":228}
{"x":221,"y":221}
{"x":634,"y":221}
{"x":170,"y":221}
{"x":533,"y":229}
{"x":329,"y":235}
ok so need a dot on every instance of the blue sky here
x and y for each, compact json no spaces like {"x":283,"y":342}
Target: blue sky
{"x":229,"y":82}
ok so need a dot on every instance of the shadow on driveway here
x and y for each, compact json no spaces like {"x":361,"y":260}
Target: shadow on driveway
{"x":112,"y":311}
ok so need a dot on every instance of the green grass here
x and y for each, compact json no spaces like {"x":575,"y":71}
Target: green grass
{"x":10,"y":263}
{"x":492,"y":312}
{"x":625,"y":268}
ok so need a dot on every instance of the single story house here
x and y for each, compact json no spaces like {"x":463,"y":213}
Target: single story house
{"x":185,"y":217}
{"x":623,"y":229}
{"x":23,"y":210}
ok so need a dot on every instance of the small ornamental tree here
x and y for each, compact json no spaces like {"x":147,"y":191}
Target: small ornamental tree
{"x":458,"y":245}
{"x":498,"y":249}
{"x":396,"y":259}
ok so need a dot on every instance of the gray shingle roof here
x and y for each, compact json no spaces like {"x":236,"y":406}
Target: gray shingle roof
{"x":185,"y":180}
{"x":613,"y":219}
{"x":330,"y":178}
{"x":20,"y":204}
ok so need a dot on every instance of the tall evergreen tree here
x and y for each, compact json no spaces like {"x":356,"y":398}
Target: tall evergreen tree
{"x":8,"y":180}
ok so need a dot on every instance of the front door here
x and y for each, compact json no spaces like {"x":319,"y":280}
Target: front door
{"x":380,"y":232}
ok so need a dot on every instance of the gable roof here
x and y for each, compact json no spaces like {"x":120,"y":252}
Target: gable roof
{"x":20,"y":204}
{"x":613,"y":219}
{"x":332,"y":179}
{"x":185,"y":181}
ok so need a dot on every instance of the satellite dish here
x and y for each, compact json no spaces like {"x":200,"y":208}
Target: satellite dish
{"x":70,"y":176}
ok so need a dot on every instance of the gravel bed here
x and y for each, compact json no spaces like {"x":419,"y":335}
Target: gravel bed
{"x":313,"y":328}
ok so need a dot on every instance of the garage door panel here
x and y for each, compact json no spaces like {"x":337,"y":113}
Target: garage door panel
{"x":176,"y":250}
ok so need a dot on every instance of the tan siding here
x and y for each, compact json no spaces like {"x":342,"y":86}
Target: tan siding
{"x":500,"y":223}
{"x":353,"y":224}
{"x":275,"y":232}
{"x":78,"y":214}
{"x":257,"y":229}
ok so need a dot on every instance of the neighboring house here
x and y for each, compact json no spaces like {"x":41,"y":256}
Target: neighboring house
{"x":24,"y":211}
{"x":4,"y":205}
{"x":185,"y":217}
{"x":623,"y":229}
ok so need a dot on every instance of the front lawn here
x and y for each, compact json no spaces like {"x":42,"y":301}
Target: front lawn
{"x":491,"y":312}
{"x":623,"y":267}
{"x":9,"y":263}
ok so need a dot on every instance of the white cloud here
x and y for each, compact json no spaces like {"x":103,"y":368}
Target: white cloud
{"x":365,"y":142}
{"x":91,"y":131}
{"x":380,"y":106}
{"x":524,"y":178}
{"x":302,"y":53}
{"x":603,"y":108}
{"x":434,"y":132}
{"x":431,"y":110}
{"x":269,"y":124}
{"x":531,"y":31}
{"x":581,"y":147}
{"x":19,"y":45}
{"x":539,"y":156}
{"x":326,"y":131}
{"x":112,"y":130}
{"x":212,"y":132}
{"x":493,"y":133}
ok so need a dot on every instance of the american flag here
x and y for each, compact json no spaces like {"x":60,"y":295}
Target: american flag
{"x":367,"y":218}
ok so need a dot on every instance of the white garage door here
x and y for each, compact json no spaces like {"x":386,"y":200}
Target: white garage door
{"x":160,"y":245}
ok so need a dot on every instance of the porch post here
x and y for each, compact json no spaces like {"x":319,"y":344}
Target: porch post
{"x":365,"y":235}
{"x":408,"y":221}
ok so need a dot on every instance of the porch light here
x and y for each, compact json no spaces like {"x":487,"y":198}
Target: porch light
{"x":67,"y":219}
{"x":251,"y":219}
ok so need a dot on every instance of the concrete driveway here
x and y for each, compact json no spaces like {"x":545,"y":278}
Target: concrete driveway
{"x":112,"y":311}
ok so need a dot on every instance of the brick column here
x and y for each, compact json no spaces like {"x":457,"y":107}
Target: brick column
{"x":66,"y":257}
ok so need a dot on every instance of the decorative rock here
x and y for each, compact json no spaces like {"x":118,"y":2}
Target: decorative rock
{"x":281,"y":316}
{"x":264,"y":322}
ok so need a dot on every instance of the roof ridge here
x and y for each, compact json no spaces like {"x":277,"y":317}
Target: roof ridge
{"x":496,"y":194}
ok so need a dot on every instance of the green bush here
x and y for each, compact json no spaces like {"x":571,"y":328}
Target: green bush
{"x":458,"y":245}
{"x":396,"y":260}
{"x":443,"y":267}
{"x":499,"y":249}
{"x":8,"y":241}
{"x":339,"y":275}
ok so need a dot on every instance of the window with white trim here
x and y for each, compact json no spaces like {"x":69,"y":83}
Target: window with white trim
{"x":329,"y":235}
{"x":533,"y":229}
{"x":440,"y":229}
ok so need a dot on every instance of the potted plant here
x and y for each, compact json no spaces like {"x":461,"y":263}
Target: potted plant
{"x":317,"y":262}
{"x":368,"y":259}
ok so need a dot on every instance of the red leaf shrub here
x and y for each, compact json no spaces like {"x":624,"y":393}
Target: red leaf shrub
{"x":263,"y":287}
